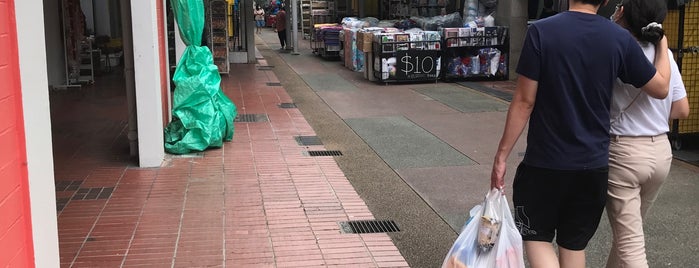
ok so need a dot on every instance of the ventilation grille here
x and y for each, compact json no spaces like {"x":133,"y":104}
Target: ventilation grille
{"x":265,"y":67}
{"x":189,"y":155}
{"x":368,"y":226}
{"x":323,"y":153}
{"x":274,"y":84}
{"x":308,"y":140}
{"x":287,"y":105}
{"x":93,"y":193}
{"x":251,"y":118}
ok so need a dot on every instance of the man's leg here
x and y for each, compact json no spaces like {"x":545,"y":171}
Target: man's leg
{"x":541,"y":254}
{"x":282,"y":38}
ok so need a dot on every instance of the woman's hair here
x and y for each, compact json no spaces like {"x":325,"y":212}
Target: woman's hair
{"x":639,"y":13}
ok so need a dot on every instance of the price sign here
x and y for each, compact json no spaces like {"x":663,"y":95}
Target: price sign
{"x":417,"y":64}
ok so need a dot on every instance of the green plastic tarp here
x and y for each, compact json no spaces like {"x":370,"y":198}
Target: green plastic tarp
{"x":202,"y":114}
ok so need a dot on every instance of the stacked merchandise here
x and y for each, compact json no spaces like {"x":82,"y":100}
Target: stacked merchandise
{"x":476,"y":53}
{"x":217,"y":31}
{"x":354,"y":59}
{"x":326,"y":40}
{"x":365,"y":40}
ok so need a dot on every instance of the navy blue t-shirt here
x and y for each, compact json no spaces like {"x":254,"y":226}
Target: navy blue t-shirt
{"x":576,"y":57}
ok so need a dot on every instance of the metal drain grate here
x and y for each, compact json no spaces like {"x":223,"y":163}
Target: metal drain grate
{"x":93,"y":193}
{"x":308,"y":140}
{"x":324,"y":153}
{"x":68,"y":185}
{"x":287,"y":105}
{"x":189,"y":155}
{"x":368,"y":226}
{"x":274,"y":84}
{"x":265,"y":67}
{"x":251,"y":118}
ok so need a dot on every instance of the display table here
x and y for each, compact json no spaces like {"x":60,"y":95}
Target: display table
{"x":407,"y":57}
{"x":473,"y":54}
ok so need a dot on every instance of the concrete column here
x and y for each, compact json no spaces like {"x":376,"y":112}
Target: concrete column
{"x":55,"y":52}
{"x":249,"y":26}
{"x":513,"y":13}
{"x":37,"y":128}
{"x":147,"y":79}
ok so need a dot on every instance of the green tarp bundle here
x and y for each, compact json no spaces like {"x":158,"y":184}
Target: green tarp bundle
{"x":202,"y":114}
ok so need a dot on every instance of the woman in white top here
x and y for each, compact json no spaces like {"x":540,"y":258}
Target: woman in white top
{"x":259,"y":18}
{"x":639,"y":152}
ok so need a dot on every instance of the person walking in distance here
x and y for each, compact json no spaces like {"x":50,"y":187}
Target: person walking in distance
{"x":281,"y":26}
{"x":567,"y":69}
{"x":640,"y":154}
{"x":259,"y":18}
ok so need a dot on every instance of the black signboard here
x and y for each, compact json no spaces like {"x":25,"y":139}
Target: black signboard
{"x":417,"y":64}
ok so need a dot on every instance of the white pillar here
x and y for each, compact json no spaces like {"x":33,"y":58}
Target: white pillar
{"x":249,"y":23}
{"x":148,"y":88}
{"x":295,"y":25}
{"x":37,"y":128}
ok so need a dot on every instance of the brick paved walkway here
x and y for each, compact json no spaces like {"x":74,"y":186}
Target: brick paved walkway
{"x":256,"y":202}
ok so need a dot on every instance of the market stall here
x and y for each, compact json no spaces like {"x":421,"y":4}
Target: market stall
{"x":476,"y":53}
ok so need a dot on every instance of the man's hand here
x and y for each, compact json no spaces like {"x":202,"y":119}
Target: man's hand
{"x":497,"y":176}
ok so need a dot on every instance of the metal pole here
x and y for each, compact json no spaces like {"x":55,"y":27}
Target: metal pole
{"x":295,"y":25}
{"x":675,"y":133}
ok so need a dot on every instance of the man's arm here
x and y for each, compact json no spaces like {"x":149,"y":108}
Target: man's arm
{"x":517,"y":116}
{"x":658,"y":86}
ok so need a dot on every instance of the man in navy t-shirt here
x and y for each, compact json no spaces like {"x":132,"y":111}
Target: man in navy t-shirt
{"x":566,"y":72}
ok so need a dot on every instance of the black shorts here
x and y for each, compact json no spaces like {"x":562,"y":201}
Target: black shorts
{"x":567,"y":204}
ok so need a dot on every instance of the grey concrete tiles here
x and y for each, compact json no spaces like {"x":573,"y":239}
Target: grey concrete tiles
{"x":402,"y":144}
{"x":327,"y":81}
{"x":450,"y":191}
{"x":466,"y":101}
{"x":377,"y":101}
{"x":474,"y":134}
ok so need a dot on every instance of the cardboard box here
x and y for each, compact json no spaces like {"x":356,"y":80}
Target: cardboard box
{"x":364,"y":41}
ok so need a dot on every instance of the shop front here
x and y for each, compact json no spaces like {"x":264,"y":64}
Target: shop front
{"x":70,"y":48}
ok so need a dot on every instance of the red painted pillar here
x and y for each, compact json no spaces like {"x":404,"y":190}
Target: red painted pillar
{"x":162,"y":39}
{"x":16,"y":246}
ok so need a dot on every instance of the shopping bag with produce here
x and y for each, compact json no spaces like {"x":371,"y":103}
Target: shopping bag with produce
{"x":489,"y":239}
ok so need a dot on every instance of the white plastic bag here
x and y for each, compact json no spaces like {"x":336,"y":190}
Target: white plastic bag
{"x":505,"y":252}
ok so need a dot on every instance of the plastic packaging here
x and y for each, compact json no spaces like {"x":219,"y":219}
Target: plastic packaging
{"x":202,"y":114}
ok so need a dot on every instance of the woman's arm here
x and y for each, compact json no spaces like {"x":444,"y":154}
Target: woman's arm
{"x":680,"y":109}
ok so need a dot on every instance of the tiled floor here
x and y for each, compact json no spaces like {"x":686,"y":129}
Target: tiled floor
{"x":256,"y":202}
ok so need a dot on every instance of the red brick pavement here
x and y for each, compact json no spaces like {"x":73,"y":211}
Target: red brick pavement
{"x":256,"y":202}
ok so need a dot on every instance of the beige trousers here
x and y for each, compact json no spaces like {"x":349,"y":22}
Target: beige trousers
{"x":638,"y":166}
